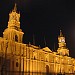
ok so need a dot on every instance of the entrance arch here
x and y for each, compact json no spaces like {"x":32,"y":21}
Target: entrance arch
{"x":47,"y":70}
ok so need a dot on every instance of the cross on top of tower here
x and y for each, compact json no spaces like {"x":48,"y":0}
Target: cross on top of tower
{"x":61,"y":35}
{"x":15,"y":8}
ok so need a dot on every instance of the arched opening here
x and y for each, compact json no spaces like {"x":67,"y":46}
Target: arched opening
{"x":16,"y":64}
{"x":16,"y":38}
{"x":47,"y":70}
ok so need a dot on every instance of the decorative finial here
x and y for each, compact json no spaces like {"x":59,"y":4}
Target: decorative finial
{"x":61,"y":33}
{"x":15,"y":8}
{"x":29,"y":44}
{"x":39,"y":47}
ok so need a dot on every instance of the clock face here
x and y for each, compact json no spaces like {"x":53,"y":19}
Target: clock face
{"x":62,"y":40}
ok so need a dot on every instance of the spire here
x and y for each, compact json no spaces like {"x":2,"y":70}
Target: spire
{"x":15,"y":8}
{"x":61,"y":33}
{"x":14,"y":18}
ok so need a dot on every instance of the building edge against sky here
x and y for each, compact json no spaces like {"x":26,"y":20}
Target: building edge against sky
{"x":26,"y":58}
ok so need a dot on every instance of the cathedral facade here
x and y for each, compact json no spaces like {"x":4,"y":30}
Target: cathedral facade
{"x":17,"y":58}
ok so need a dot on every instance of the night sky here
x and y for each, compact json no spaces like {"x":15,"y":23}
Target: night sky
{"x":42,"y":20}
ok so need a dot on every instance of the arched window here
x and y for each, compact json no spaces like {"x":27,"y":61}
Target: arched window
{"x":47,"y":70}
{"x":16,"y":38}
{"x":34,"y":58}
{"x":16,"y":64}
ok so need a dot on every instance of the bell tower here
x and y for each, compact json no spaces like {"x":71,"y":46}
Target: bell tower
{"x":13,"y":31}
{"x":61,"y":40}
{"x":62,"y":50}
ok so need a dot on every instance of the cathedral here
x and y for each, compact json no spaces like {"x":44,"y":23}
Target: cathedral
{"x":17,"y":58}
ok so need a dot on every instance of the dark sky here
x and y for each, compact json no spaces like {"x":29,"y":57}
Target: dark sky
{"x":43,"y":18}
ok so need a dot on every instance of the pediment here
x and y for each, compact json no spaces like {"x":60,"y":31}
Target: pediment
{"x":47,"y":49}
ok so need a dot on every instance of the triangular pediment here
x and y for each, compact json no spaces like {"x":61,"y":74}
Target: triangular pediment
{"x":47,"y":49}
